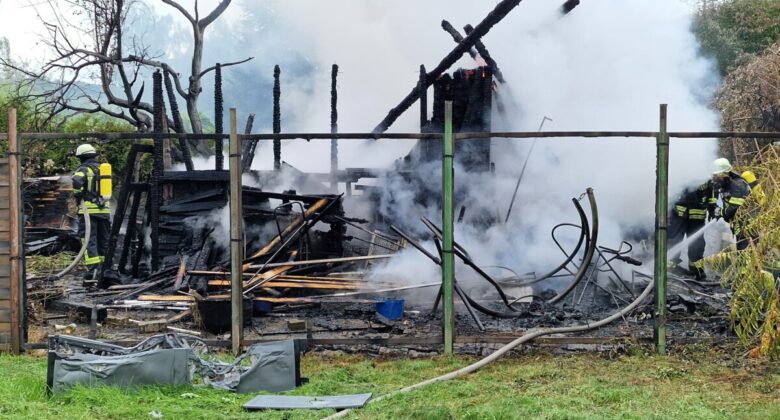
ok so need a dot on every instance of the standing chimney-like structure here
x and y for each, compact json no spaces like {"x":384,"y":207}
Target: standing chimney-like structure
{"x":277,"y":120}
{"x":334,"y":127}
{"x":218,"y":118}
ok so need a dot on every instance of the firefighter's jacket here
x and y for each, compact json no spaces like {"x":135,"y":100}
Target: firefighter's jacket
{"x":694,"y":204}
{"x":86,"y":188}
{"x":734,"y":191}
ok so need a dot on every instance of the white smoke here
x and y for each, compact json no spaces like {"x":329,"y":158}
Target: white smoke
{"x":606,"y":66}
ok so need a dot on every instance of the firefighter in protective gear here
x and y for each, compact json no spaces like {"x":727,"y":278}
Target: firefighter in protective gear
{"x":688,"y":216}
{"x":733,"y":192}
{"x":86,"y":181}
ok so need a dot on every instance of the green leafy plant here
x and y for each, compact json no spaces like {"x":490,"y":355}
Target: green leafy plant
{"x":753,"y":274}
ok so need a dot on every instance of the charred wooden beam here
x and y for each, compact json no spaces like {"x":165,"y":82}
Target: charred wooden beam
{"x":569,"y":6}
{"x":184,"y":144}
{"x":248,"y":152}
{"x":499,"y":12}
{"x":334,"y":126}
{"x":277,"y":120}
{"x":457,"y":37}
{"x":131,"y":229}
{"x":422,"y":87}
{"x":485,"y":54}
{"x":218,"y":118}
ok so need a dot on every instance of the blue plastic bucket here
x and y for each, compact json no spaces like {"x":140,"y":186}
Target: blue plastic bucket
{"x":391,"y":309}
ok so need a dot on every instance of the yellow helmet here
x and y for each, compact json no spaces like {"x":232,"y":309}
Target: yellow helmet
{"x":750,"y":178}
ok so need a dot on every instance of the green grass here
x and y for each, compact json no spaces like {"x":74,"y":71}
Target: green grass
{"x":698,"y":384}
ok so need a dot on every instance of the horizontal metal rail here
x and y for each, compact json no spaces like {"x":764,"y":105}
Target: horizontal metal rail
{"x":397,"y":136}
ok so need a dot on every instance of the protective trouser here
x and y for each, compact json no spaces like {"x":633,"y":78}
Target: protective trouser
{"x":679,"y":227}
{"x":97,"y":243}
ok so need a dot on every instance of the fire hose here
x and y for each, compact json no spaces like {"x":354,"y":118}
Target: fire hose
{"x":503,"y":350}
{"x":84,"y":244}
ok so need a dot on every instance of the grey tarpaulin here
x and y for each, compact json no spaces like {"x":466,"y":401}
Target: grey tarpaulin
{"x":171,"y":359}
{"x":154,"y":367}
{"x":273,"y":368}
{"x":291,"y":402}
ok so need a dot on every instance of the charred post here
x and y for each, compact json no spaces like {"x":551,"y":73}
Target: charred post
{"x":277,"y":122}
{"x":184,"y":145}
{"x":157,"y":172}
{"x":422,"y":87}
{"x":334,"y":127}
{"x":218,"y":118}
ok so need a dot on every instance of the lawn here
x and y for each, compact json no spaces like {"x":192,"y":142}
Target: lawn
{"x":692,"y":383}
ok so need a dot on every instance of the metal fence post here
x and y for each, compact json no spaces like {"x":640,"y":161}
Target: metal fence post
{"x":448,"y":263}
{"x":236,"y":238}
{"x":661,"y":211}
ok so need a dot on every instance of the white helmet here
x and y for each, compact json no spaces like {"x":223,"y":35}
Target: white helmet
{"x":721,"y":166}
{"x":85,"y":149}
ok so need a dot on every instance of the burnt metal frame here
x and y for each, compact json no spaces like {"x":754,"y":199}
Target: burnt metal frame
{"x":662,"y":140}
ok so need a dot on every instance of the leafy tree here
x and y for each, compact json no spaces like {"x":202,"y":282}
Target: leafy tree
{"x":732,"y":31}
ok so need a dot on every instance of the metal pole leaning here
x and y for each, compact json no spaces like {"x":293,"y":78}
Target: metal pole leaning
{"x":448,"y":260}
{"x":661,"y":211}
{"x":236,"y":238}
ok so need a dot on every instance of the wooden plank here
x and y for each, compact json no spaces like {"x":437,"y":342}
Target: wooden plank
{"x":5,"y":327}
{"x":5,"y":294}
{"x":5,"y":280}
{"x":5,"y":303}
{"x":5,"y":271}
{"x":5,"y":224}
{"x":5,"y":315}
{"x":162,"y":298}
{"x":311,"y":300}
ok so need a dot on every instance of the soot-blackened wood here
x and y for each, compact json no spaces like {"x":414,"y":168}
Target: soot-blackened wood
{"x":248,"y":152}
{"x":132,"y":223}
{"x":495,"y":16}
{"x":139,"y":250}
{"x":569,"y":6}
{"x":157,"y":172}
{"x":457,"y":37}
{"x":422,"y":86}
{"x":334,"y":124}
{"x":184,"y":144}
{"x":218,"y":117}
{"x":277,"y":119}
{"x":121,"y":205}
{"x":486,"y":56}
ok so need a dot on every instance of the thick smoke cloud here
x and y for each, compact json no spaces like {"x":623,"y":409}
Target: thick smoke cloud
{"x":606,"y":66}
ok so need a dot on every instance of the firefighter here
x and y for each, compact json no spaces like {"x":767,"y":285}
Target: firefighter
{"x":688,"y":216}
{"x":87,"y":183}
{"x":733,"y":192}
